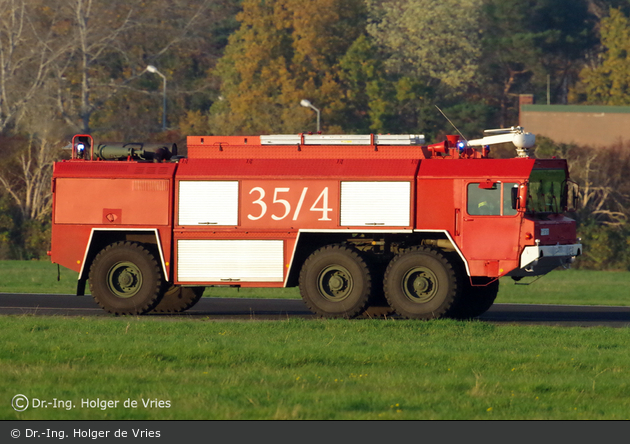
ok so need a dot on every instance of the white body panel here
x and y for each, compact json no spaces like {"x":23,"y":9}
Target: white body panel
{"x":375,"y":204}
{"x":208,"y":203}
{"x":230,"y":260}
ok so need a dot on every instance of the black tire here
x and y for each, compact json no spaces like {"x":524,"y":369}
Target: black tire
{"x":476,"y":300}
{"x":335,"y":282}
{"x":125,"y":278}
{"x":422,"y":284}
{"x":177,"y":299}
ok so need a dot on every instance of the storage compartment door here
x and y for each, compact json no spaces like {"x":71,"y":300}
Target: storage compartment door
{"x":230,"y":260}
{"x":375,"y":204}
{"x":208,"y":203}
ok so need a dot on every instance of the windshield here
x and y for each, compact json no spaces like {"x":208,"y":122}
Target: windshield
{"x":546,"y":191}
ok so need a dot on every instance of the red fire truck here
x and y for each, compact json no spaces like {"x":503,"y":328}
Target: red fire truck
{"x":354,"y":221}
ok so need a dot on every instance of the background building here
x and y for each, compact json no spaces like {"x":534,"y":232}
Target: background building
{"x":596,"y":126}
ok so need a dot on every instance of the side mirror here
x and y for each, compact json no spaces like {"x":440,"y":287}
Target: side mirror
{"x":518,"y":197}
{"x":514,"y":197}
{"x":573,"y":196}
{"x":522,"y":197}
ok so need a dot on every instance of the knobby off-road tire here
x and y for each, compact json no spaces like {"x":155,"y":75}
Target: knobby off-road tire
{"x":421,"y":283}
{"x":335,"y":282}
{"x":177,"y":299}
{"x":476,"y":300}
{"x":125,"y":278}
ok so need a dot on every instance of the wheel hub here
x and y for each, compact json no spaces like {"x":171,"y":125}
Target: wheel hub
{"x":335,"y":283}
{"x":124,"y":279}
{"x":420,"y":285}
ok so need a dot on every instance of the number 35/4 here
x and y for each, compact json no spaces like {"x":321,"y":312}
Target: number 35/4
{"x":289,"y":204}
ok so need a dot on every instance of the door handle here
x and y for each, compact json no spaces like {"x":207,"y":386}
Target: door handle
{"x":456,"y":222}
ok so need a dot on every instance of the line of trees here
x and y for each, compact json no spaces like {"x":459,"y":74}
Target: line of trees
{"x":79,"y":66}
{"x":242,"y":67}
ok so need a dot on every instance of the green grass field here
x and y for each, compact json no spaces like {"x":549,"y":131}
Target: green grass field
{"x":579,"y":287}
{"x":316,"y":369}
{"x":320,"y":369}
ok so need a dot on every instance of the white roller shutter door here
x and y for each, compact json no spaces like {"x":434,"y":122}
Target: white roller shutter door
{"x":375,"y":204}
{"x":230,"y":260}
{"x":208,"y":203}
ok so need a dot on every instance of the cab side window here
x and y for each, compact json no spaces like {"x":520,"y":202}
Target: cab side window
{"x":484,"y":201}
{"x":507,"y":199}
{"x":493,"y":201}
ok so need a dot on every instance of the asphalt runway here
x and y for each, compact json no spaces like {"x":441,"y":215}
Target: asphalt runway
{"x":218,"y":309}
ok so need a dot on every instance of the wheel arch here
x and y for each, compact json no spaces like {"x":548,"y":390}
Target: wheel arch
{"x":308,"y":241}
{"x":101,"y":237}
{"x":126,"y":278}
{"x":449,"y":243}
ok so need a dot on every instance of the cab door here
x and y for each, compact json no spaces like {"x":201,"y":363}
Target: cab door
{"x":489,"y":225}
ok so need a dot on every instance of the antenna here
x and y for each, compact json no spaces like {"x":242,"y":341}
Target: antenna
{"x":449,"y":121}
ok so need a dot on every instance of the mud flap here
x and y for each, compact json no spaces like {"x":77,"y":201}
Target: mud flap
{"x":81,"y":287}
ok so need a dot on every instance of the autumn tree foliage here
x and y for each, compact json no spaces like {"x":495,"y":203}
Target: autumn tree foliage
{"x":283,"y":52}
{"x":243,"y":66}
{"x":607,"y":81}
{"x":437,"y":42}
{"x":80,"y":66}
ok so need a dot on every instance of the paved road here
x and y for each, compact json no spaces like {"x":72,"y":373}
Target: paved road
{"x":274,"y":309}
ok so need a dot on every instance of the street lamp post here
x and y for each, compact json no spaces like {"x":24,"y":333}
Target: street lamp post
{"x":305,"y":103}
{"x":154,"y":70}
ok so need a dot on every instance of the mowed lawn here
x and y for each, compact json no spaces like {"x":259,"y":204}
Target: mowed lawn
{"x":311,"y":369}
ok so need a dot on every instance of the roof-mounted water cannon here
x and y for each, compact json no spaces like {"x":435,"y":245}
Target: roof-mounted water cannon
{"x":522,"y":140}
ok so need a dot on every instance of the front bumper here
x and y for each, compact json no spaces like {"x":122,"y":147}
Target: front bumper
{"x":541,"y":259}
